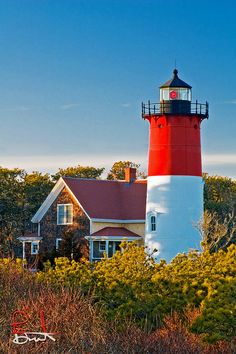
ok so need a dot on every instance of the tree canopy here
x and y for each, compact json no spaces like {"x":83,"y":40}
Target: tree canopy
{"x":219,"y":194}
{"x":118,"y":170}
{"x":218,"y":226}
{"x":11,"y":207}
{"x":79,"y":172}
{"x":22,"y":193}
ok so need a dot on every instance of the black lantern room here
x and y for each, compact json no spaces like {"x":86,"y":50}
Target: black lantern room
{"x":175,"y":96}
{"x":175,"y":99}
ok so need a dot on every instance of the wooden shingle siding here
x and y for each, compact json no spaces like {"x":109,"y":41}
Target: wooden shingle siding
{"x":49,"y":229}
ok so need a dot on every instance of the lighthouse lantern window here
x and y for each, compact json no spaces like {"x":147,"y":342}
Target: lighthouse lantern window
{"x":164,"y":94}
{"x":184,"y":94}
{"x":175,"y":93}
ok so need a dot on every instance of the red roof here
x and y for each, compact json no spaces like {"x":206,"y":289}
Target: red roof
{"x":115,"y":231}
{"x":103,"y":199}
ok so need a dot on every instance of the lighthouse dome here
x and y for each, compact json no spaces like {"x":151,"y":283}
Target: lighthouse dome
{"x":175,"y":81}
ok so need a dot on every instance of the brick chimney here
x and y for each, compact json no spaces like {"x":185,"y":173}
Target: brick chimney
{"x":130,"y":174}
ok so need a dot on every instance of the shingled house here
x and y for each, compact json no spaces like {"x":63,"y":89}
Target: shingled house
{"x":88,"y":217}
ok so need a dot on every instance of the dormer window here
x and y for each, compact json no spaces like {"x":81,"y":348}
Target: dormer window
{"x":64,"y":214}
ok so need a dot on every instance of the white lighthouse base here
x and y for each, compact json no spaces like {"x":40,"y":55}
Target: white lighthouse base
{"x":176,"y":202}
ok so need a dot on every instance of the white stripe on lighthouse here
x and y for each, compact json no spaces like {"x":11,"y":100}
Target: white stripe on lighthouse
{"x":177,"y":204}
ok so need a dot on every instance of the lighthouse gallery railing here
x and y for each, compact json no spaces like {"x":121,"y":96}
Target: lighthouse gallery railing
{"x":163,"y":108}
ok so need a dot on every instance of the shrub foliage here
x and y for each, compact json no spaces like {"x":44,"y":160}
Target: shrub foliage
{"x":131,"y":286}
{"x":79,"y":299}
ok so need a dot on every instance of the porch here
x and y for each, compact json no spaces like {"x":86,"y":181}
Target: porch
{"x":30,"y":249}
{"x":107,"y":241}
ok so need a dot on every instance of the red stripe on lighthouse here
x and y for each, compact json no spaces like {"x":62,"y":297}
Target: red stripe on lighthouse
{"x":175,"y":145}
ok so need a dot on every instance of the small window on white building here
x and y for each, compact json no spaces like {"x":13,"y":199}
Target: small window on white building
{"x":153,"y":223}
{"x":102,"y":246}
{"x":64,"y":214}
{"x":34,"y":247}
{"x":58,"y":243}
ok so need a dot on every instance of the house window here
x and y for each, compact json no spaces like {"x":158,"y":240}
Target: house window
{"x":64,"y":214}
{"x":99,"y":247}
{"x":113,"y":246}
{"x":102,"y":246}
{"x":34,"y":247}
{"x":153,"y":223}
{"x":58,"y":243}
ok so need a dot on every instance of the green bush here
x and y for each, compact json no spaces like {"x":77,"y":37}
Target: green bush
{"x":131,"y":286}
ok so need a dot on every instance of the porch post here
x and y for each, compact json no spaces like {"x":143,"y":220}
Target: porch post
{"x":107,"y":244}
{"x":23,"y":252}
{"x":91,"y":249}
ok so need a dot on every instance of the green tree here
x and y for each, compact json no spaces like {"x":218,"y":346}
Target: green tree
{"x":36,"y":187}
{"x":79,"y":172}
{"x":117,"y":172}
{"x":21,"y":194}
{"x":11,"y":207}
{"x":219,"y":195}
{"x":218,"y":225}
{"x":217,"y":233}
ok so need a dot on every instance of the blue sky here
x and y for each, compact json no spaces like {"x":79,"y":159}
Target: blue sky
{"x":74,"y":74}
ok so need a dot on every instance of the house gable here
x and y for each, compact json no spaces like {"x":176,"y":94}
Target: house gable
{"x":59,"y":186}
{"x":50,"y":231}
{"x":48,"y":201}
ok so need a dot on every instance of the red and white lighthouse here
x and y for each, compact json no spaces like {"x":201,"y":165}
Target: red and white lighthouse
{"x":175,"y":185}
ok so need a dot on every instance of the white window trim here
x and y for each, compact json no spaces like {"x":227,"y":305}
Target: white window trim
{"x":100,"y":250}
{"x":58,"y":239}
{"x":68,"y":223}
{"x":32,"y":247}
{"x":106,"y":251}
{"x":153,"y":223}
{"x":149,"y":226}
